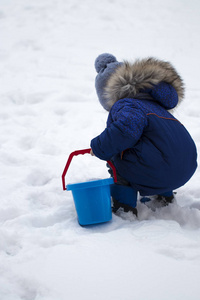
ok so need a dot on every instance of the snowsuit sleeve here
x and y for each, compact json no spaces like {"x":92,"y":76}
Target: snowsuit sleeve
{"x":122,"y":133}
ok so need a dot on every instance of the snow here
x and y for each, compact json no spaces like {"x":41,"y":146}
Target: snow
{"x":49,"y":108}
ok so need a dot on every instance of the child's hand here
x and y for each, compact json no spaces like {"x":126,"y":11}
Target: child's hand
{"x":91,"y":152}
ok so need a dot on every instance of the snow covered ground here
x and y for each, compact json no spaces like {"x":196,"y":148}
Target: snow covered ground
{"x":49,"y":108}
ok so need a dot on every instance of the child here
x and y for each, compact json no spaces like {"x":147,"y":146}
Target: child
{"x":151,"y":150}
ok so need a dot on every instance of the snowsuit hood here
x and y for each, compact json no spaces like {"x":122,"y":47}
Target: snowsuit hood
{"x":128,"y":80}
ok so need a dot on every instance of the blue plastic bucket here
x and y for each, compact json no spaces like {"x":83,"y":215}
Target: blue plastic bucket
{"x":92,"y":200}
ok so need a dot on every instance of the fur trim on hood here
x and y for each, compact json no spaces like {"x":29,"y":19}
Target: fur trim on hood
{"x":130,"y":79}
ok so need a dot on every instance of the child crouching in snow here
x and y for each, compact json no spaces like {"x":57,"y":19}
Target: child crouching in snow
{"x":151,"y":150}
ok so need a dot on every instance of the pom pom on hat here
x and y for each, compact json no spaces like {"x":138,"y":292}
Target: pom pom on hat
{"x":102,"y":60}
{"x":105,"y":65}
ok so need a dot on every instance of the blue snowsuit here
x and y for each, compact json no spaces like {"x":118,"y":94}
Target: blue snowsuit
{"x":149,"y":147}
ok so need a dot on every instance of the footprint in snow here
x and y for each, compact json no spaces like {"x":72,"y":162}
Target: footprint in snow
{"x":38,"y":178}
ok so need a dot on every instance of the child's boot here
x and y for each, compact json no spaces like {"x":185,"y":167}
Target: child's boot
{"x":158,"y":201}
{"x":124,"y":197}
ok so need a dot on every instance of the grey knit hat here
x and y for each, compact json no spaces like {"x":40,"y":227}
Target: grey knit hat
{"x":105,"y":65}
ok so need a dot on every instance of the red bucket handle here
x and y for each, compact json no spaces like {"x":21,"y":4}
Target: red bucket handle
{"x":84,"y":151}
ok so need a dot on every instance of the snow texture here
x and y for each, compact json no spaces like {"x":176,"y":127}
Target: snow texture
{"x":49,"y":108}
